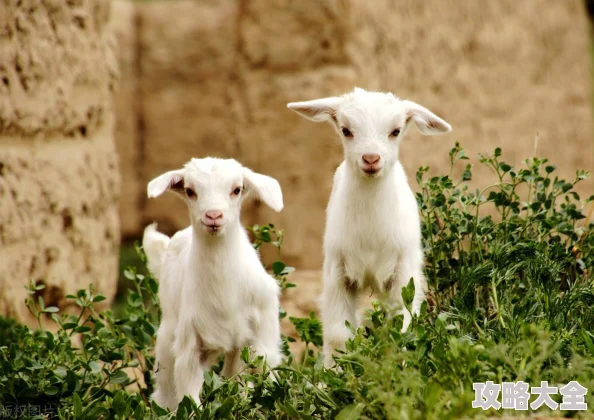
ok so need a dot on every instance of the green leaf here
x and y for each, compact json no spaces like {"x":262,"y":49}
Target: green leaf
{"x":120,"y":377}
{"x":119,"y":403}
{"x":351,"y":412}
{"x":153,"y":285}
{"x":505,"y":167}
{"x":588,"y":342}
{"x":160,"y":411}
{"x":77,"y":405}
{"x":245,"y":355}
{"x":189,"y":405}
{"x":98,"y":298}
{"x":95,"y":367}
{"x":52,"y":390}
{"x":97,"y":412}
{"x":225,"y":409}
{"x":408,"y":293}
{"x":181,"y":413}
{"x":82,"y":329}
{"x":139,"y":411}
{"x":265,"y":236}
{"x":288,"y":409}
{"x":51,"y":309}
{"x":60,"y":372}
{"x":278,"y":267}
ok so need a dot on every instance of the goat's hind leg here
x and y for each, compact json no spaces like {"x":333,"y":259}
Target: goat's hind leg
{"x":233,"y":363}
{"x":164,"y":394}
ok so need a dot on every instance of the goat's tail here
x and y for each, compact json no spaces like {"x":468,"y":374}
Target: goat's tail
{"x":155,"y":244}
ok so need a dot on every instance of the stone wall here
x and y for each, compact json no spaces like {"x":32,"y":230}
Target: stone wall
{"x":59,"y":175}
{"x":216,"y":82}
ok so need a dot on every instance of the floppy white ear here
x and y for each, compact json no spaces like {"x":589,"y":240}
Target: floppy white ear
{"x":266,"y":188}
{"x":317,"y":110}
{"x":172,"y":180}
{"x":426,"y":121}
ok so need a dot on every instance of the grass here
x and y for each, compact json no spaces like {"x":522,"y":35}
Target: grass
{"x":510,"y":270}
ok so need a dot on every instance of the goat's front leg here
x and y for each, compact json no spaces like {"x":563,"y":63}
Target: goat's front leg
{"x":410,"y":266}
{"x":189,"y":364}
{"x":339,"y":304}
{"x":267,"y":338}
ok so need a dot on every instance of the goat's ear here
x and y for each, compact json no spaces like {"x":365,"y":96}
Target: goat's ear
{"x":172,"y":181}
{"x":426,"y":121}
{"x":317,"y":110}
{"x":266,"y":188}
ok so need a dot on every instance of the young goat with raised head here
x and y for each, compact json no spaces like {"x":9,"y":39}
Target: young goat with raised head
{"x":373,"y":236}
{"x":215,"y":295}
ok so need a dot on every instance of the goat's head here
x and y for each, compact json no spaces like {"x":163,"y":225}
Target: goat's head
{"x":214,"y":190}
{"x":371,"y":126}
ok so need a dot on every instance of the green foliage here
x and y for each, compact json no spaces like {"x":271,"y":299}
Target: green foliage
{"x":82,"y":370}
{"x":510,"y":272}
{"x":530,"y":264}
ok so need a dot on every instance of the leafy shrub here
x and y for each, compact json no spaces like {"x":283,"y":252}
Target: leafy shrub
{"x":510,"y":270}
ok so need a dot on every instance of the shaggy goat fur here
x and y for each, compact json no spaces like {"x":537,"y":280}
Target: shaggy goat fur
{"x":373,"y":237}
{"x":215,"y":295}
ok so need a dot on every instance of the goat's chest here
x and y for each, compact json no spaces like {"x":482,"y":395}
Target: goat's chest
{"x":370,"y":235}
{"x":226,"y":324}
{"x":369,"y":256}
{"x":221,"y":309}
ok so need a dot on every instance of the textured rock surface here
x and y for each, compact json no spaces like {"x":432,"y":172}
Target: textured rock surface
{"x":123,"y":24}
{"x":217,"y":83}
{"x":59,"y":177}
{"x":502,"y":73}
{"x":188,"y":95}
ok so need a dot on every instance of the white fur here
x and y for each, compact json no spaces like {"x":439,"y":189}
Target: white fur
{"x":372,"y":238}
{"x":216,"y":297}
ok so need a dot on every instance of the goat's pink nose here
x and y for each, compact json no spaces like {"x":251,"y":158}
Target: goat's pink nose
{"x":371,"y":159}
{"x":214,"y":214}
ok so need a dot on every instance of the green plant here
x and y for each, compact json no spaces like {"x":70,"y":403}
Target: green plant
{"x":510,"y":272}
{"x":41,"y":369}
{"x":482,"y":267}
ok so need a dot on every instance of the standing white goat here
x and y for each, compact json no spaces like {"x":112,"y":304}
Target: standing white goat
{"x":215,"y":295}
{"x":373,"y":236}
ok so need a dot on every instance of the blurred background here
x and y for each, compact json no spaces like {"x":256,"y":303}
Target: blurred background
{"x":97,"y":97}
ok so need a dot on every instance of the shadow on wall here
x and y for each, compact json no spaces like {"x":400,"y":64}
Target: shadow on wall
{"x":217,"y":83}
{"x":590,"y":9}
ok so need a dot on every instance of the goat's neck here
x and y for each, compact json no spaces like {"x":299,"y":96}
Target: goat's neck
{"x":219,"y":246}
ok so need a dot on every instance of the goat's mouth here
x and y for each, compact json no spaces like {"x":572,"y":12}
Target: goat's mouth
{"x":212,"y":229}
{"x":371,"y":172}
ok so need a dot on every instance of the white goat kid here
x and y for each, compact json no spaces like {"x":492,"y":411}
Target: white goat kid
{"x":372,"y":238}
{"x":215,"y":295}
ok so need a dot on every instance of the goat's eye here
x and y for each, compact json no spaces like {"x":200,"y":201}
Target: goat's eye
{"x":190,"y":193}
{"x":395,"y":132}
{"x":237,"y":191}
{"x":346,"y":132}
